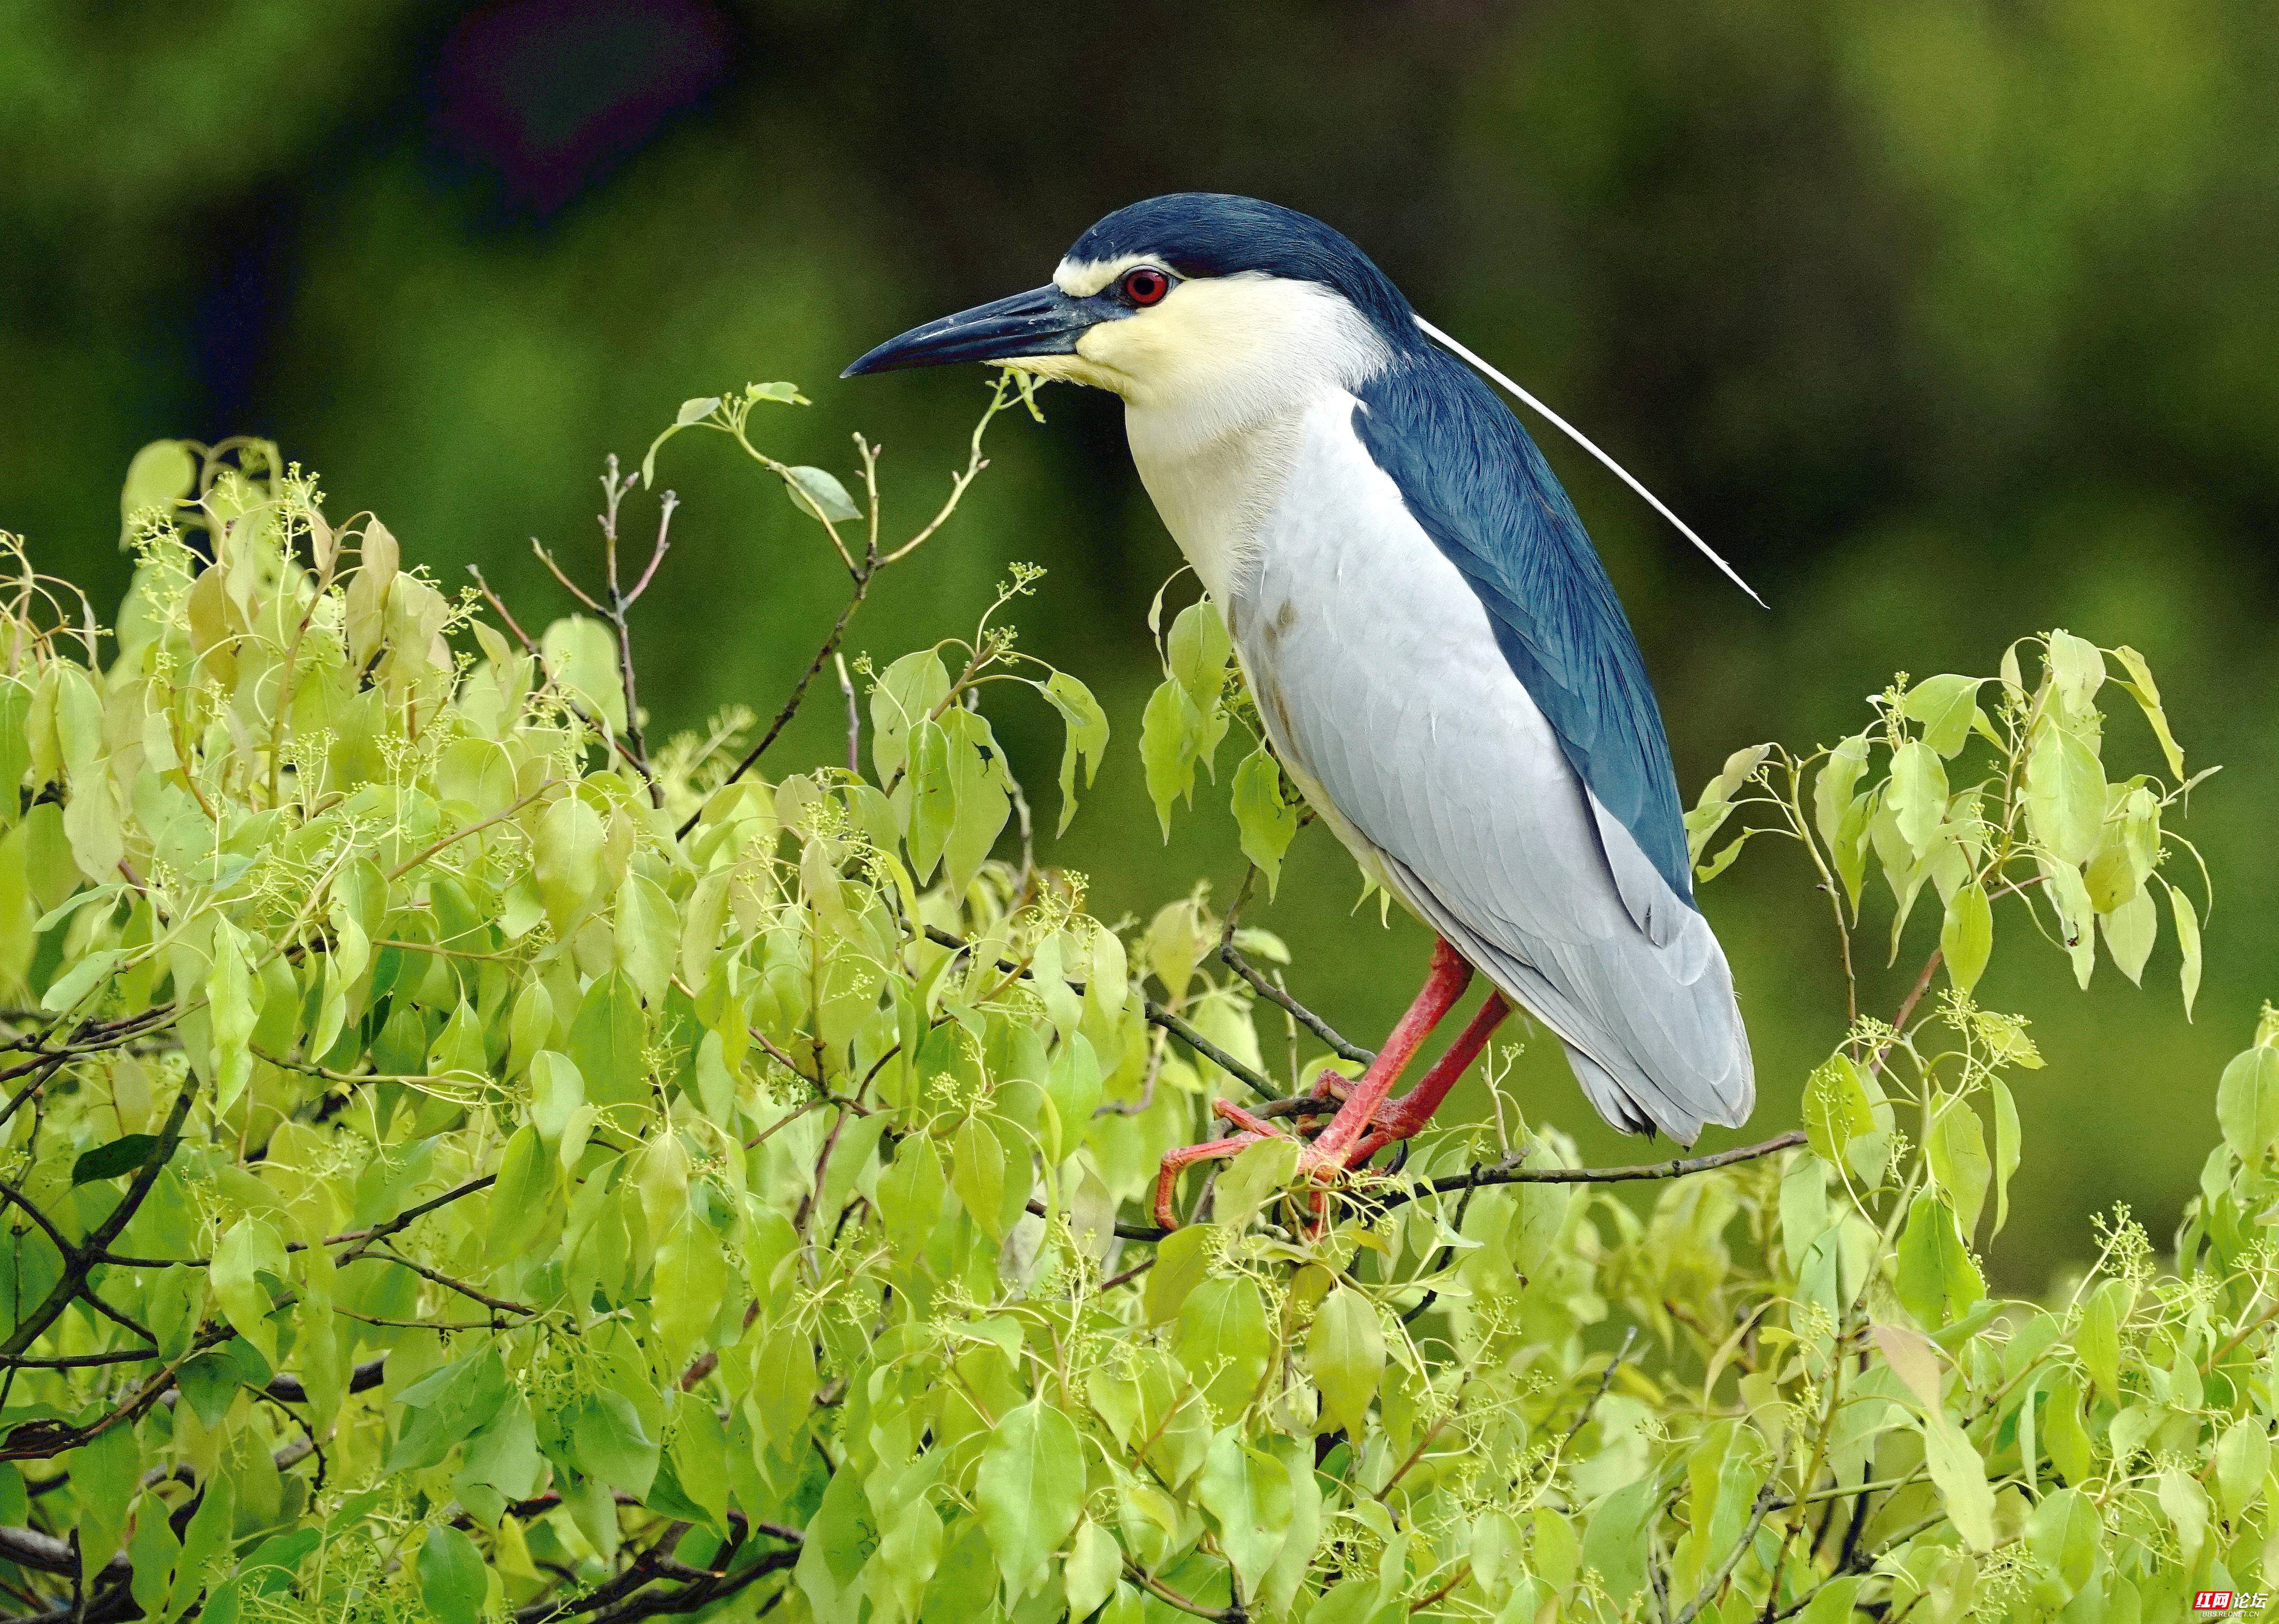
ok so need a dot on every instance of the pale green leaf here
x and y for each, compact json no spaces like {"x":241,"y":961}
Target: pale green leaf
{"x":1266,"y":821}
{"x":1030,"y":1489}
{"x":1959,"y":1162}
{"x":1966,"y":936}
{"x":1344,"y":1354}
{"x":1247,"y":1493}
{"x":1960,"y":1477}
{"x":1936,"y":1282}
{"x":2247,"y":1102}
{"x":818,"y":492}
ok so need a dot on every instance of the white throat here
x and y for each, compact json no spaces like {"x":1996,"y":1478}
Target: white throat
{"x":1216,"y":381}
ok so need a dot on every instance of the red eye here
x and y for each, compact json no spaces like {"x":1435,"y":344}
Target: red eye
{"x":1146,"y":284}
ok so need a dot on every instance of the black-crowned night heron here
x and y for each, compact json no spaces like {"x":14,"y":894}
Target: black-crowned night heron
{"x":1436,"y":652}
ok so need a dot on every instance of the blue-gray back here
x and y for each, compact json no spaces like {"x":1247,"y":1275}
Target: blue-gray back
{"x":1480,"y":488}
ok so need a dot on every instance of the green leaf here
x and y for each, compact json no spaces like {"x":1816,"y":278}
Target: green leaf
{"x":1957,"y":1154}
{"x":566,"y":858}
{"x":1030,"y":1489}
{"x":580,"y":656}
{"x":647,"y":936}
{"x":1345,"y":1353}
{"x":2146,"y":693}
{"x":1831,"y":1604}
{"x":2097,"y":1341}
{"x":233,"y":1012}
{"x":1164,"y":749}
{"x":1918,"y":794}
{"x":445,"y":1406}
{"x":162,"y":473}
{"x":2130,"y":930}
{"x":608,"y":1443}
{"x":1266,"y":821}
{"x":1960,"y":1475}
{"x":979,"y":797}
{"x":1258,"y":1174}
{"x":2077,"y":917}
{"x":453,"y":1581}
{"x":1095,"y":1563}
{"x":1834,"y":786}
{"x":503,"y":1452}
{"x":2065,"y":794}
{"x":2063,"y":1534}
{"x":523,"y":1198}
{"x":608,"y":1041}
{"x":1937,"y":1282}
{"x":932,"y":798}
{"x":2188,"y":938}
{"x":76,"y":983}
{"x":2247,"y":1102}
{"x":1967,"y":935}
{"x":1224,"y":1341}
{"x":1615,"y":1544}
{"x":816,"y":492}
{"x":153,"y":1551}
{"x":1946,"y":706}
{"x":909,"y":691}
{"x":2077,"y":669}
{"x":557,"y":1090}
{"x":1836,"y":1109}
{"x":205,"y":1542}
{"x":2007,"y":1140}
{"x":104,"y":1473}
{"x":251,"y":1248}
{"x":1182,"y":1261}
{"x":2243,"y":1461}
{"x":1197,"y":652}
{"x":1247,"y":1493}
{"x":121,"y":1156}
{"x":1087,"y":737}
{"x":978,"y":1175}
{"x":691,"y":1278}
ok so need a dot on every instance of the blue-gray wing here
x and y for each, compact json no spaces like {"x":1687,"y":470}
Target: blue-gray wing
{"x":1380,"y":669}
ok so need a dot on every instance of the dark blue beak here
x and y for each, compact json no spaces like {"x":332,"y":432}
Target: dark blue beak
{"x":1042,"y":322}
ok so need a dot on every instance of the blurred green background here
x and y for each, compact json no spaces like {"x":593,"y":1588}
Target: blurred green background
{"x":1946,"y":321}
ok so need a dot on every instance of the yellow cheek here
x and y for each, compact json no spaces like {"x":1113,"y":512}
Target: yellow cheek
{"x":1131,"y":351}
{"x":1067,"y":369}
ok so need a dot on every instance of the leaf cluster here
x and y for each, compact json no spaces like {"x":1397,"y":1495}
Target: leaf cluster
{"x":461,"y":1164}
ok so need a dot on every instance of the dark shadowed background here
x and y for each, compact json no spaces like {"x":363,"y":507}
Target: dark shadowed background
{"x":1947,"y":322}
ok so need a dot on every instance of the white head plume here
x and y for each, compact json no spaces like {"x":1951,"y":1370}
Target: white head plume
{"x":1576,"y":436}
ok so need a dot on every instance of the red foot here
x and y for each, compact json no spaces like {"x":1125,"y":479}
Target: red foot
{"x":1365,"y":1122}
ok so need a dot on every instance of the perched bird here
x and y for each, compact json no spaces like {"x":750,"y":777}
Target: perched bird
{"x":1439,"y":658}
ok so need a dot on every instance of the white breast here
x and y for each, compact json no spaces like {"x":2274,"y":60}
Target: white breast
{"x":1380,"y":681}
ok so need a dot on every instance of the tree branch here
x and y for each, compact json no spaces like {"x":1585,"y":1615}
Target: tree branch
{"x":1504,"y":1173}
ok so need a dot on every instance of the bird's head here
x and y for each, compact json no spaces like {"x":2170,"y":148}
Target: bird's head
{"x":1189,"y":300}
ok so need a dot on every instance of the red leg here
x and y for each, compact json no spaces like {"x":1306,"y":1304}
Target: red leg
{"x":1363,"y":1123}
{"x":1228,"y":1111}
{"x":1167,"y":1177}
{"x":1444,"y":984}
{"x":1404,"y":1117}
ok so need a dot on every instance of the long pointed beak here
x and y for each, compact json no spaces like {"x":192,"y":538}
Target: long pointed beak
{"x":1044,"y":321}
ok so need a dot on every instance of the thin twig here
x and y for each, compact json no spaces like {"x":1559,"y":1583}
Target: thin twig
{"x":1157,"y":1016}
{"x":1239,"y":963}
{"x":1716,"y":1580}
{"x":598,"y":725}
{"x":1505,"y":1174}
{"x":798,"y":692}
{"x":1606,"y":1380}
